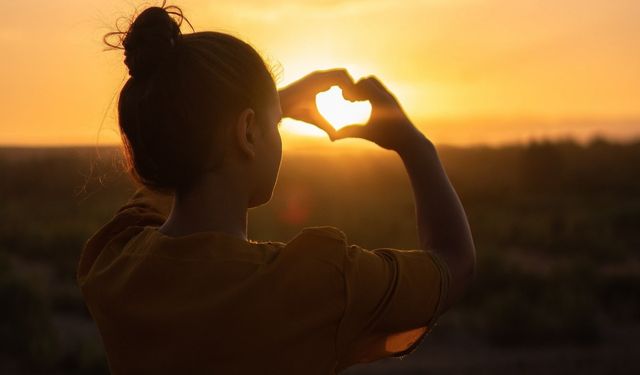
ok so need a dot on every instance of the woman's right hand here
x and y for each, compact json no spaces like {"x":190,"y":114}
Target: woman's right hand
{"x":389,"y":127}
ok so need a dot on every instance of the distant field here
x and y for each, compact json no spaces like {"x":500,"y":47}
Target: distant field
{"x":555,"y":224}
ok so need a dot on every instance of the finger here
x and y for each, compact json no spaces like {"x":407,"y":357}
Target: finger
{"x":351,"y":131}
{"x":382,"y":88}
{"x":313,"y":117}
{"x":365,"y":89}
{"x":325,"y":79}
{"x":317,"y":81}
{"x":324,"y":125}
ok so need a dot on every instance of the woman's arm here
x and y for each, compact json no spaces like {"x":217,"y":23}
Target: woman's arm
{"x":442,"y":222}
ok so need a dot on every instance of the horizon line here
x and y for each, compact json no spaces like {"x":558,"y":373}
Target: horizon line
{"x":348,"y":144}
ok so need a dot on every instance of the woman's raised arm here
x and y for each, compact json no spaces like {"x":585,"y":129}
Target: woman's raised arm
{"x":442,"y":222}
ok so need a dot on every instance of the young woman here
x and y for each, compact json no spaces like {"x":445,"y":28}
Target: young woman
{"x":172,"y":281}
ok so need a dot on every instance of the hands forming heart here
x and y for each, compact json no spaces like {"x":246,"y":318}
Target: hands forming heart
{"x":340,"y":112}
{"x":298,"y":100}
{"x":388,"y":126}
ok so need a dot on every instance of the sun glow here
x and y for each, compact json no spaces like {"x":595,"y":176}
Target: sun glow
{"x":541,"y":79}
{"x":340,"y":112}
{"x":335,"y":109}
{"x":301,"y":128}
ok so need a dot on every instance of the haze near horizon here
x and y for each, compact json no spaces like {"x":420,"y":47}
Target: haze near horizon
{"x":465,"y":71}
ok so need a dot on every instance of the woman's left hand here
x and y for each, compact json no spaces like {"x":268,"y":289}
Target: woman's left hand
{"x":298,"y":99}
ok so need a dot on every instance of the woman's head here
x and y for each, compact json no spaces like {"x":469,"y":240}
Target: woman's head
{"x":194,"y":103}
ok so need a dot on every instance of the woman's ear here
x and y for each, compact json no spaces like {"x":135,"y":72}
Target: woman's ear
{"x":246,"y":132}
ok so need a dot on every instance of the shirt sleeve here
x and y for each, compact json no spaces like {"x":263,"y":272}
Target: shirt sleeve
{"x":393,"y":298}
{"x":144,"y":208}
{"x":148,"y":204}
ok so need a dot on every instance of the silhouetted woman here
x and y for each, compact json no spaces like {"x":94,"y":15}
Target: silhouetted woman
{"x":172,"y":281}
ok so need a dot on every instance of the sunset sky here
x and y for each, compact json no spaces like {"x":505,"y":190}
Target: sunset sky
{"x":467,"y":71}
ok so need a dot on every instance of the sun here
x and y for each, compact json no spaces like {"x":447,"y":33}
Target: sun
{"x":338,"y":111}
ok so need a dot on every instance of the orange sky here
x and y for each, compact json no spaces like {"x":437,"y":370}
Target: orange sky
{"x":468,"y":71}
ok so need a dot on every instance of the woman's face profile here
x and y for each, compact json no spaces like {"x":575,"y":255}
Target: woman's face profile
{"x":268,"y":152}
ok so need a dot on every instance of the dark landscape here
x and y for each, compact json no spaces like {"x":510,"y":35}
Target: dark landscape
{"x":556,"y":226}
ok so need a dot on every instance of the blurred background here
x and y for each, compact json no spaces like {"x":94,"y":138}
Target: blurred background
{"x":534,"y":107}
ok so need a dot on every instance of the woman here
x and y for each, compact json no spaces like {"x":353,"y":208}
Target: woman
{"x":172,"y":281}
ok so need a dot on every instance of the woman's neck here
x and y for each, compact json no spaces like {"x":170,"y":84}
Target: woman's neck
{"x":217,"y":203}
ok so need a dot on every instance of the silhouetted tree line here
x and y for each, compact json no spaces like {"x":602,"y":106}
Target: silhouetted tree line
{"x":555,"y":225}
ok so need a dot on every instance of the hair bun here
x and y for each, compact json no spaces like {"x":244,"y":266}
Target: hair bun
{"x":149,"y":41}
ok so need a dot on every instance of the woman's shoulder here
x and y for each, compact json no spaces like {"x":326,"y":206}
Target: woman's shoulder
{"x":324,"y":244}
{"x":326,"y":231}
{"x":143,"y":208}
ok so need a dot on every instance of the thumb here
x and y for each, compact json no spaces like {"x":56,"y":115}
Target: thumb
{"x":323,"y":124}
{"x":351,"y":131}
{"x":319,"y":121}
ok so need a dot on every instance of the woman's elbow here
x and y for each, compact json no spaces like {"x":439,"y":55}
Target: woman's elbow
{"x":462,"y":272}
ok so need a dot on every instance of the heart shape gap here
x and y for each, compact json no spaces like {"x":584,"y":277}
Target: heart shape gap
{"x":340,"y":112}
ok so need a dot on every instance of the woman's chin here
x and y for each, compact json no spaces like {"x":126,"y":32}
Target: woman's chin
{"x":259,"y":200}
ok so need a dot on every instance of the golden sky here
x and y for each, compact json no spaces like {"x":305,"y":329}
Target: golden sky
{"x":467,"y":71}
